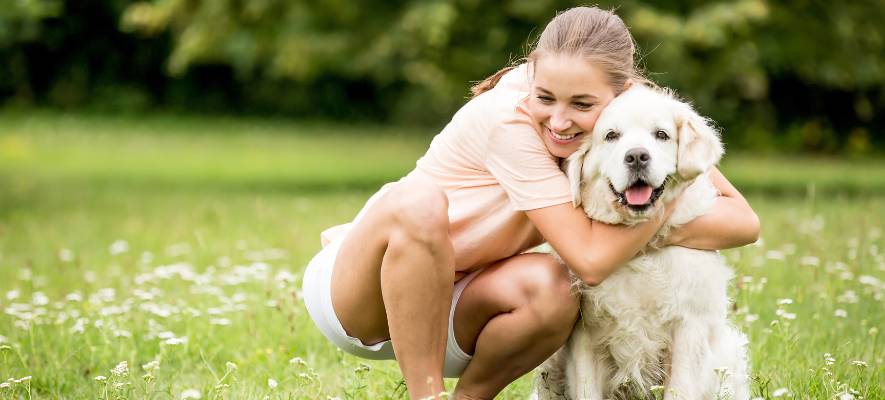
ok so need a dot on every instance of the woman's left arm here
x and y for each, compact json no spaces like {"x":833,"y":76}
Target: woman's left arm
{"x":731,"y":222}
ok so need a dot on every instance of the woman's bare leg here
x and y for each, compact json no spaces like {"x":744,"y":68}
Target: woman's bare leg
{"x":515,"y":314}
{"x":393,"y":278}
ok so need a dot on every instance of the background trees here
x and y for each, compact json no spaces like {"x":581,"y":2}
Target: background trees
{"x":794,"y":75}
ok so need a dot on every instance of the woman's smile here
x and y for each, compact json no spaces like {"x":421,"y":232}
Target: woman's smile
{"x":562,"y":138}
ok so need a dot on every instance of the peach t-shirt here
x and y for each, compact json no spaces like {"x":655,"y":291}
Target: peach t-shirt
{"x":493,"y":165}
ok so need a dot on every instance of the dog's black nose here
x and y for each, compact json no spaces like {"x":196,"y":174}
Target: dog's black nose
{"x":637,"y":158}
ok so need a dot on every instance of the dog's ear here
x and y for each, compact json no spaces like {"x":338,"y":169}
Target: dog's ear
{"x":574,"y":170}
{"x":699,"y":147}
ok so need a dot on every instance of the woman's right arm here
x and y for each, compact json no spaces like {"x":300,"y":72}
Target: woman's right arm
{"x":592,"y":249}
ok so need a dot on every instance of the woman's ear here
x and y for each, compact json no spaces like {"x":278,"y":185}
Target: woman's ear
{"x":574,"y":170}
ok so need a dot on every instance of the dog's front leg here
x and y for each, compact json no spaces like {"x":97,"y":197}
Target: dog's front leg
{"x":584,"y":373}
{"x":691,"y":372}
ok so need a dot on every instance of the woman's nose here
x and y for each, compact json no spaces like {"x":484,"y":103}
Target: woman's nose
{"x":559,"y":121}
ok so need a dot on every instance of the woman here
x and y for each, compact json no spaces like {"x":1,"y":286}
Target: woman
{"x":488,"y":189}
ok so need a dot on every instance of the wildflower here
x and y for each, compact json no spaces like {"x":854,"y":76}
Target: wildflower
{"x":23,"y":379}
{"x":297,"y":361}
{"x":271,"y":383}
{"x":775,"y":255}
{"x":121,"y":369}
{"x":65,"y":255}
{"x":151,"y":366}
{"x":841,"y":313}
{"x":848,"y":297}
{"x":809,"y":261}
{"x":828,"y":359}
{"x":100,"y":378}
{"x":781,"y":392}
{"x":191,"y":394}
{"x":751,"y":318}
{"x":784,"y":302}
{"x":5,"y":385}
{"x":231,"y":367}
{"x":859,"y":363}
{"x":12,"y":294}
{"x":219,"y":321}
{"x":846,"y":396}
{"x":118,"y":247}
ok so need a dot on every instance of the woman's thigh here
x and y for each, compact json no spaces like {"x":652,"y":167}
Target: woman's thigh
{"x":356,"y":277}
{"x":534,"y":280}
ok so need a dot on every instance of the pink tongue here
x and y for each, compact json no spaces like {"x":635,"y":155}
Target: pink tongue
{"x":638,"y":195}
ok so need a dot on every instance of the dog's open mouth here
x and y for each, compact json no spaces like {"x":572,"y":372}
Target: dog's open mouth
{"x":639,"y":195}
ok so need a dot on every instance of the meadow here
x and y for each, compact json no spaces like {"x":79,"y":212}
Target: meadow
{"x":160,"y":257}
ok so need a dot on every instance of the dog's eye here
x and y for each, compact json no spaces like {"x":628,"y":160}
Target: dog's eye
{"x":611,"y":136}
{"x":662,"y":135}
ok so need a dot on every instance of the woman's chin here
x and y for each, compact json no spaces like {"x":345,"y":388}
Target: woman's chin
{"x":563,"y":150}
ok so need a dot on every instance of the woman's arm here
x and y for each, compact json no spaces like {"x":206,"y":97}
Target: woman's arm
{"x":731,"y":223}
{"x":592,"y":249}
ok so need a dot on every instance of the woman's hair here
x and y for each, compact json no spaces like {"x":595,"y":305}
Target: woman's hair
{"x":598,"y":35}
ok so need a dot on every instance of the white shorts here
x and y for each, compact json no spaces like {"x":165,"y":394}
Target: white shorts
{"x":316,"y":288}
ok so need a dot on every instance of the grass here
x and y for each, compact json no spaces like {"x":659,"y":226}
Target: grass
{"x":182,"y":240}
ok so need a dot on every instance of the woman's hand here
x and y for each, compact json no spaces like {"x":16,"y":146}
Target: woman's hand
{"x":731,"y":223}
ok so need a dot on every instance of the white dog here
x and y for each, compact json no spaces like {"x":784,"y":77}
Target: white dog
{"x":659,"y":320}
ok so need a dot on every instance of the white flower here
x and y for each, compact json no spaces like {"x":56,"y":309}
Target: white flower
{"x":191,"y":394}
{"x":809,"y":261}
{"x":846,"y":396}
{"x":65,"y":255}
{"x":751,"y":317}
{"x":151,"y":366}
{"x":100,"y":378}
{"x":231,"y":367}
{"x":297,"y":361}
{"x":848,"y":297}
{"x":271,"y":383}
{"x":781,"y":392}
{"x":219,"y":321}
{"x":784,"y":301}
{"x":12,"y":294}
{"x":841,"y":313}
{"x":23,"y":379}
{"x":775,"y":255}
{"x":859,"y":363}
{"x":121,"y":369}
{"x":5,"y":385}
{"x":118,"y":247}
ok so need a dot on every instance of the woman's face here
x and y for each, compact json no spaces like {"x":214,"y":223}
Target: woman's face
{"x":567,"y":95}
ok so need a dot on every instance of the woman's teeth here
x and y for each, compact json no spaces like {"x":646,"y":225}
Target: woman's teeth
{"x":562,"y":137}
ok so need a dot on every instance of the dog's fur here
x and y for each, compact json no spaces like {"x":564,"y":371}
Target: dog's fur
{"x":659,"y":320}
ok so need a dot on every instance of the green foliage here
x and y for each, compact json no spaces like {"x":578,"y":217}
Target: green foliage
{"x":21,"y":20}
{"x":794,"y":75}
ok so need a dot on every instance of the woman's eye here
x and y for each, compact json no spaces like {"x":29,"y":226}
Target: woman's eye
{"x":662,"y":135}
{"x":612,"y":135}
{"x":583,"y":106}
{"x":545,"y":99}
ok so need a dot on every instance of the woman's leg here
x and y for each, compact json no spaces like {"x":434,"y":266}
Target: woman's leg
{"x":512,"y":317}
{"x":393,"y":278}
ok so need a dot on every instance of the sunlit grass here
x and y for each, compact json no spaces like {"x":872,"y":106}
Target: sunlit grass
{"x":176,"y":245}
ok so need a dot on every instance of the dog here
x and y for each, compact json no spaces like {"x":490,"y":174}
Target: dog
{"x":659,"y":322}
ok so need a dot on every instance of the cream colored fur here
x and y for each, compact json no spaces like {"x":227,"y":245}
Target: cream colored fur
{"x":661,"y":318}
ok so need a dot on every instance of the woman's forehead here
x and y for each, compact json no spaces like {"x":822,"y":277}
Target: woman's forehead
{"x":569,"y":76}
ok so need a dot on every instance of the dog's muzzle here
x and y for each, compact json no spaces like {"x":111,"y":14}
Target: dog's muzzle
{"x":639,"y":195}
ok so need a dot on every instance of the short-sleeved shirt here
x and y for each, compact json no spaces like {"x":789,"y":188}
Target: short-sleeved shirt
{"x":492,"y":163}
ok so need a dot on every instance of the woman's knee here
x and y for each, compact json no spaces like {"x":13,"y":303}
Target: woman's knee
{"x":549,"y":293}
{"x":419,"y":212}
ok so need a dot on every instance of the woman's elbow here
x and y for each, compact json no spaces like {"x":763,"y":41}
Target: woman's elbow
{"x":752,"y":229}
{"x":590,"y":272}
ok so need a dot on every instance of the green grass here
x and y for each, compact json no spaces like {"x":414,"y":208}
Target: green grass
{"x":219,"y":216}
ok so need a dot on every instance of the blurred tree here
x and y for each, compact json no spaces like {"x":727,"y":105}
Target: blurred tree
{"x":21,"y":21}
{"x":795,"y":74}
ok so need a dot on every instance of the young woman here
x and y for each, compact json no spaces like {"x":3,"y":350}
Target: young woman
{"x":434,"y":271}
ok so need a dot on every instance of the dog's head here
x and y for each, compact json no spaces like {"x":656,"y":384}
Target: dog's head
{"x":644,"y":148}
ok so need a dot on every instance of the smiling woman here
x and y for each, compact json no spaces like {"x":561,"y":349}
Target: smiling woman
{"x":434,"y":271}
